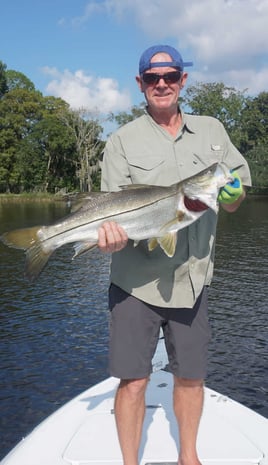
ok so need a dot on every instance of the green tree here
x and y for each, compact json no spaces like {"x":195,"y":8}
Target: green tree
{"x":46,"y":160}
{"x":255,"y":144}
{"x":222,"y":102}
{"x":3,"y":79}
{"x":19,"y":111}
{"x":258,"y":164}
{"x":17,"y":80}
{"x":86,"y":131}
{"x":125,"y":117}
{"x":255,"y":122}
{"x":37,"y":151}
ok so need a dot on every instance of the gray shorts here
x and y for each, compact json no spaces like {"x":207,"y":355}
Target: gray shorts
{"x":134,"y":332}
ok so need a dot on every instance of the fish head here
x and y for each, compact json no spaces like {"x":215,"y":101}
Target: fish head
{"x":222,"y":175}
{"x":205,"y":186}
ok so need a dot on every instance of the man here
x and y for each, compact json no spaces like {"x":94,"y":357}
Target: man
{"x":149,"y":290}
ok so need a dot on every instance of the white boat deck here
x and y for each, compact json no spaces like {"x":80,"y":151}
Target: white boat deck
{"x":83,"y":431}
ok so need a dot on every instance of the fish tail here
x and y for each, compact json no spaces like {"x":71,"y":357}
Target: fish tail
{"x":21,"y":238}
{"x":36,"y":260}
{"x":27,"y":239}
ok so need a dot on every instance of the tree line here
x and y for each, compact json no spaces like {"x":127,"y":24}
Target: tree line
{"x":45,"y":146}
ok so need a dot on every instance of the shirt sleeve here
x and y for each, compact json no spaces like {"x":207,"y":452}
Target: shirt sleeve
{"x":115,"y":172}
{"x":235,"y":160}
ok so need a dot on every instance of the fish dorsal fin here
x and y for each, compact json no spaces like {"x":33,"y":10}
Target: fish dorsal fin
{"x":82,"y":201}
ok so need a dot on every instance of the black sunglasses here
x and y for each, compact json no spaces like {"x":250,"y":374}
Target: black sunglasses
{"x":154,"y":78}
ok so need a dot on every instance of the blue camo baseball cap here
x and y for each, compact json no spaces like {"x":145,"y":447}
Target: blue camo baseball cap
{"x":177,"y":61}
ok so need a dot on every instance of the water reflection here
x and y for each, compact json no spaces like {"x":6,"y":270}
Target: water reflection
{"x":54,"y":333}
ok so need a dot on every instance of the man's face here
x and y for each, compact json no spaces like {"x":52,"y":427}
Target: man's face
{"x":164,"y":94}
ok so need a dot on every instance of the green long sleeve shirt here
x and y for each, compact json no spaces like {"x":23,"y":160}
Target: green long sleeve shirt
{"x":142,"y":152}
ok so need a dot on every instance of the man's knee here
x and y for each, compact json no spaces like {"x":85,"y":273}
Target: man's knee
{"x":186,"y":382}
{"x":133,"y":387}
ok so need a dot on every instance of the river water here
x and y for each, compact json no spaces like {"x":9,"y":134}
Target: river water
{"x":54,"y":333}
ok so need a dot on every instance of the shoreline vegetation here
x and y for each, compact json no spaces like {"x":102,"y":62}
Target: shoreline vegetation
{"x":33,"y":197}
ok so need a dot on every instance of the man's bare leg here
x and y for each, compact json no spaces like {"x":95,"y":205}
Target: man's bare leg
{"x":129,"y":415}
{"x":188,"y":404}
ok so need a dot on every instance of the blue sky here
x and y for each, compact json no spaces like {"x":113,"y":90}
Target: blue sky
{"x":87,"y":52}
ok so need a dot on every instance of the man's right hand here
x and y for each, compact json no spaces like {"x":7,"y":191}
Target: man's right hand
{"x":112,"y":237}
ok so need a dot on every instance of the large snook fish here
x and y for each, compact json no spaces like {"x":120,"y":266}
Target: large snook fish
{"x":145,"y":212}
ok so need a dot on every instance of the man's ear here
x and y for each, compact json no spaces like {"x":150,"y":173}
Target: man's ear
{"x":183,"y":80}
{"x":140,"y":83}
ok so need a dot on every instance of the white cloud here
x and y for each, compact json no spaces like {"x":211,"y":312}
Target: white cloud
{"x":254,"y":81}
{"x":91,"y":9}
{"x":83,"y":91}
{"x":249,"y":80}
{"x":223,"y":37}
{"x":230,"y":33}
{"x":214,"y":28}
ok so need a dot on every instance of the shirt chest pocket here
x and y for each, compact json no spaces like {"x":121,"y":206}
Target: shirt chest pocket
{"x":146,"y":170}
{"x":217,"y":152}
{"x":209,"y":157}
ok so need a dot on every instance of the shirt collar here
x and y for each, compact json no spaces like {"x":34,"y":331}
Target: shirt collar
{"x":186,"y":122}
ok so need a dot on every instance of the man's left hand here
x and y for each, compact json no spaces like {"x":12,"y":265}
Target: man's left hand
{"x":231,"y":192}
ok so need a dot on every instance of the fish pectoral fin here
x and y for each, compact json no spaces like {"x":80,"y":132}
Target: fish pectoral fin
{"x":83,"y":247}
{"x":168,"y":243}
{"x":135,"y":243}
{"x":175,"y":224}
